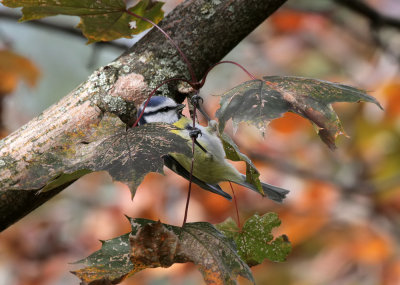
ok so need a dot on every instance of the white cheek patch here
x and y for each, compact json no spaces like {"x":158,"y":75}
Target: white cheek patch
{"x":168,"y":118}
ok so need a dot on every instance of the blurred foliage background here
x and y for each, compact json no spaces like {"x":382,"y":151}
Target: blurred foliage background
{"x":343,"y":213}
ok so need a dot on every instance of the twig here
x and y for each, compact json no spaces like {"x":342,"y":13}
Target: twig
{"x":236,"y":207}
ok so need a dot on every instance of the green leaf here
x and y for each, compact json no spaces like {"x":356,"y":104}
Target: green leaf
{"x":233,"y":153}
{"x":255,"y":241}
{"x":153,"y":244}
{"x":148,"y":9}
{"x":259,"y":101}
{"x":103,"y":20}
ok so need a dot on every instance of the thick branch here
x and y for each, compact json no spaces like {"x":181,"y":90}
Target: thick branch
{"x":51,"y":145}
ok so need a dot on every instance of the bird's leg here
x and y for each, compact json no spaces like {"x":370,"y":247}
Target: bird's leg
{"x":193,"y":131}
{"x":194,"y":134}
{"x":196,"y":99}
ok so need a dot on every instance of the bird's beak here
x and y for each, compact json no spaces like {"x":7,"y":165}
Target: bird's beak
{"x":180,"y":107}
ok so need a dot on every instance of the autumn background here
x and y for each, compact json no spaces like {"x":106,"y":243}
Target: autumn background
{"x":343,"y":213}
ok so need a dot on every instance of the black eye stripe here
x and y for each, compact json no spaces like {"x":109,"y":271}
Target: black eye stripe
{"x":165,"y":109}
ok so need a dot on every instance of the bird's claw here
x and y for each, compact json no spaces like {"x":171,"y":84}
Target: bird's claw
{"x":196,"y":99}
{"x":195,"y":132}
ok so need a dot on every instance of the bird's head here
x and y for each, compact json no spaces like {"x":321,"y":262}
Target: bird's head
{"x":160,"y":110}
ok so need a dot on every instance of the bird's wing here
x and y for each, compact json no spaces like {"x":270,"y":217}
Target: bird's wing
{"x":176,"y":167}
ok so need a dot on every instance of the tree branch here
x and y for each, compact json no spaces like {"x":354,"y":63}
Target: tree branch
{"x":377,"y":20}
{"x":38,"y":153}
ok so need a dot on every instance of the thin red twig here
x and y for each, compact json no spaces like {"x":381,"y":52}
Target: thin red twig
{"x":191,"y":169}
{"x":236,"y":207}
{"x":201,"y":83}
{"x":190,"y":185}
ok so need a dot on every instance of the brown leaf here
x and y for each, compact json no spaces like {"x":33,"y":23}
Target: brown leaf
{"x":153,"y":246}
{"x":15,"y":67}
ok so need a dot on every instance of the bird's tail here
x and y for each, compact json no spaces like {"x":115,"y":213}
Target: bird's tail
{"x":274,"y":193}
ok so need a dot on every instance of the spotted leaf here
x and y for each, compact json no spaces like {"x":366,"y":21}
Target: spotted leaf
{"x":255,"y":241}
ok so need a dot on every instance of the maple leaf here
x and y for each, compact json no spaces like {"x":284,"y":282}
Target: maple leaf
{"x":255,"y":241}
{"x":259,"y":101}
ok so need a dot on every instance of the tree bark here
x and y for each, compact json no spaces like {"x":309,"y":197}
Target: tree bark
{"x":205,"y":30}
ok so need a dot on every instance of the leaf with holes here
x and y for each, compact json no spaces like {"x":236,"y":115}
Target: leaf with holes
{"x":153,"y":244}
{"x":259,"y":101}
{"x":255,"y":241}
{"x":104,"y":20}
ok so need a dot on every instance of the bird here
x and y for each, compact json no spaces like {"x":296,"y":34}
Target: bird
{"x":210,"y":165}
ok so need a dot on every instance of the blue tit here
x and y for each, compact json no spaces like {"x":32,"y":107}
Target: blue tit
{"x":210,"y":166}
